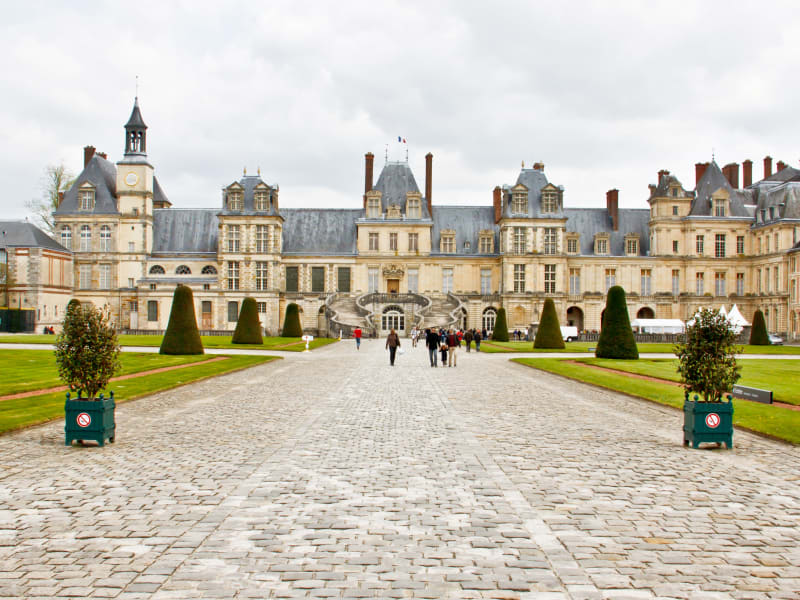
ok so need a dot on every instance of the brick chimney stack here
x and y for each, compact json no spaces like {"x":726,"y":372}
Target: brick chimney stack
{"x":538,"y":166}
{"x":369,"y":159}
{"x":612,"y":204}
{"x":497,"y":201}
{"x":429,"y":182}
{"x":781,"y":166}
{"x":767,"y":166}
{"x":699,"y":171}
{"x":60,"y":198}
{"x":88,"y":153}
{"x":102,"y":155}
{"x":731,"y":172}
{"x":747,"y":173}
{"x":661,"y":174}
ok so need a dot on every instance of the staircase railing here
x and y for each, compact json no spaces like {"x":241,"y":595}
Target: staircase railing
{"x":378,"y":300}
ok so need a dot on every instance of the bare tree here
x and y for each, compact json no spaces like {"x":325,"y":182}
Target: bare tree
{"x":55,"y":179}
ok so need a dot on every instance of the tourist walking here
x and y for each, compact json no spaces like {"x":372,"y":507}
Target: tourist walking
{"x":468,"y":338}
{"x":392,"y":343}
{"x":477,"y":337}
{"x":443,"y":349}
{"x":432,"y":344}
{"x":357,"y":335}
{"x":452,"y":345}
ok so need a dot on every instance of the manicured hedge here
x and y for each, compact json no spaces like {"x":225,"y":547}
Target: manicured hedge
{"x":616,"y":336}
{"x":182,"y":335}
{"x":291,"y":322}
{"x":758,"y":333}
{"x":248,"y":327}
{"x":500,"y":331}
{"x":549,"y":333}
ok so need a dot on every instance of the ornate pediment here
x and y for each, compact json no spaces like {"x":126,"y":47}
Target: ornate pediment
{"x":393,"y":271}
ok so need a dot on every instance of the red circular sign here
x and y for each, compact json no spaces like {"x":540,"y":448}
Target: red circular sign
{"x":712,"y":420}
{"x":84,"y":420}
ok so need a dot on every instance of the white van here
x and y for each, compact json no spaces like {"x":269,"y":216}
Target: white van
{"x":569,"y":334}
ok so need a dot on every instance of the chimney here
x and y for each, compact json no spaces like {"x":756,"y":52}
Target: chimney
{"x":60,"y":198}
{"x":699,"y":171}
{"x":497,"y":200}
{"x":731,"y":172}
{"x":747,"y":173}
{"x":612,"y":204}
{"x":429,"y":181}
{"x":538,"y":166}
{"x":88,"y":153}
{"x":767,"y":166}
{"x":781,"y":166}
{"x":661,"y":174}
{"x":369,"y":158}
{"x":102,"y":155}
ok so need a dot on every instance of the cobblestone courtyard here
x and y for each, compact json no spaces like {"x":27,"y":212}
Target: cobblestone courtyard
{"x":333,"y":475}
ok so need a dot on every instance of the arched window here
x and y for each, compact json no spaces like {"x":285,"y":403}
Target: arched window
{"x":66,"y":237}
{"x":157,"y":270}
{"x":489,"y":317}
{"x":209,"y":270}
{"x":86,"y":238}
{"x":183,"y":270}
{"x":393,"y":318}
{"x":105,"y":238}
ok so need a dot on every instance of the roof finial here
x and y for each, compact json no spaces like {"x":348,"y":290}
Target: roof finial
{"x":259,"y":171}
{"x":712,"y":153}
{"x":245,"y":171}
{"x":136,"y":95}
{"x":523,"y":164}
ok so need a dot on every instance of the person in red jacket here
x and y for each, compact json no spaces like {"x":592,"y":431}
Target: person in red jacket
{"x":357,"y":335}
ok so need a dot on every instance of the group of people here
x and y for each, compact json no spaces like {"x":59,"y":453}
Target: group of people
{"x":446,"y":343}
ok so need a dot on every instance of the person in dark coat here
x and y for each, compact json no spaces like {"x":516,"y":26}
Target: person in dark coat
{"x":392,"y":343}
{"x":432,"y":344}
{"x":477,"y":337}
{"x":468,"y":338}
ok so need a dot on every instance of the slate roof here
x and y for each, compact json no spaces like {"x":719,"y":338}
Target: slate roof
{"x":467,"y":221}
{"x":326,"y":232}
{"x":20,"y":234}
{"x":136,"y":121}
{"x":711,"y":181}
{"x":781,"y":192}
{"x":534,"y":180}
{"x":158,"y":192}
{"x":102,"y":174}
{"x":185,"y":230}
{"x":249,"y":183}
{"x":394,"y":182}
{"x":590,"y":221}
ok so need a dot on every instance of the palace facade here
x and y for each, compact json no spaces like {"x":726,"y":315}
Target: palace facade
{"x":401,"y":260}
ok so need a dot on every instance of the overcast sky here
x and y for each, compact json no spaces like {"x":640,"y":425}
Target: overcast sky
{"x":605,"y":97}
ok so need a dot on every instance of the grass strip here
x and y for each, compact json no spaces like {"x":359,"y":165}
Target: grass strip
{"x":24,"y":412}
{"x":492,"y":347}
{"x":774,"y":421}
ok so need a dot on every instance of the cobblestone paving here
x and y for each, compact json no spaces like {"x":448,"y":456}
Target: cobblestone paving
{"x":334,"y":475}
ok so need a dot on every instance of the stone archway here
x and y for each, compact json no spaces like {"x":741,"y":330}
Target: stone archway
{"x":645,"y":313}
{"x":575,"y":317}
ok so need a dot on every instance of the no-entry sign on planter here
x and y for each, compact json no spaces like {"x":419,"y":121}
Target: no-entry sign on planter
{"x":84,"y":419}
{"x":712,"y":420}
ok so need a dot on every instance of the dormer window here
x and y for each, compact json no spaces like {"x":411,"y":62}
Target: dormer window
{"x":719,"y":207}
{"x":632,"y":245}
{"x":549,"y":201}
{"x":572,"y":243}
{"x":448,"y":241}
{"x":601,"y":244}
{"x":413,"y":208}
{"x":519,"y":201}
{"x":261,"y":199}
{"x":486,"y":241}
{"x":235,"y":201}
{"x":674,"y":192}
{"x":771,"y":213}
{"x":373,"y":207}
{"x":86,"y":197}
{"x":467,"y":245}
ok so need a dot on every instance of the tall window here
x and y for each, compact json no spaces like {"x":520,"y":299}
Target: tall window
{"x":448,"y":243}
{"x":372,"y":279}
{"x":777,"y":242}
{"x":447,"y":280}
{"x":489,"y":317}
{"x":601,"y":246}
{"x":549,"y":202}
{"x":766,"y":243}
{"x":233,"y":238}
{"x":233,"y":312}
{"x":86,"y":238}
{"x":674,"y":246}
{"x":66,"y":237}
{"x":719,"y":207}
{"x":520,"y":240}
{"x":413,"y":209}
{"x":739,"y":244}
{"x":413,"y":280}
{"x":549,"y":279}
{"x":740,"y":284}
{"x":550,"y":240}
{"x":262,"y":238}
{"x":86,"y":199}
{"x":758,"y":280}
{"x":413,"y":242}
{"x":699,"y":242}
{"x":519,"y":278}
{"x":519,"y":202}
{"x":486,"y":244}
{"x":676,"y":282}
{"x":104,"y":281}
{"x":700,"y":284}
{"x":317,"y":279}
{"x":574,"y":281}
{"x":105,"y":238}
{"x":373,"y":208}
{"x":776,"y":270}
{"x":611,"y":278}
{"x":719,"y":284}
{"x":235,"y":200}
{"x":261,"y":198}
{"x":262,"y":307}
{"x":152,"y":310}
{"x":393,"y":242}
{"x":343,"y":279}
{"x":632,"y":247}
{"x":262,"y":271}
{"x":292,"y":279}
{"x":85,"y":276}
{"x":572,"y":246}
{"x":233,"y":275}
{"x":373,"y":241}
{"x":647,"y":277}
{"x":674,"y":208}
{"x":486,"y":281}
{"x":719,"y":245}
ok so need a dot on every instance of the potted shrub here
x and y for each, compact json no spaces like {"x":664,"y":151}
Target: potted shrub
{"x":87,"y":355}
{"x":708,"y":370}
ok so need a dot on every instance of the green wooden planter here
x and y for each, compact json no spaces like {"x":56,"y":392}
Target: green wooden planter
{"x":707,"y":422}
{"x":89,"y":420}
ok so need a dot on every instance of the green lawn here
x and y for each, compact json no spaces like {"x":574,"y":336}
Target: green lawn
{"x":209,"y":341}
{"x":776,"y":421}
{"x":23,"y":412}
{"x":492,"y":347}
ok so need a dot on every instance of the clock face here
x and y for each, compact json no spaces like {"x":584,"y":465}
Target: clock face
{"x":131,"y":179}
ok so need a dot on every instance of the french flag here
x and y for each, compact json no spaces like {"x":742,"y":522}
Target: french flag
{"x":402,"y":140}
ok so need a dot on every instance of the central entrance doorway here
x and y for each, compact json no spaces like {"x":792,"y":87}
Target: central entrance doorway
{"x":393,"y":318}
{"x":393,"y":286}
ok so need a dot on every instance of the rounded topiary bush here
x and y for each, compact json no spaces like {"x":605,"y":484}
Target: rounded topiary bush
{"x":182,"y":335}
{"x":248,"y":327}
{"x":549,"y":333}
{"x":291,"y":321}
{"x":616,"y":336}
{"x":500,"y":331}
{"x":758,"y":333}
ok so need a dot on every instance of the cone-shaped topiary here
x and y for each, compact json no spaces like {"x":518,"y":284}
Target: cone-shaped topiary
{"x":182,"y":336}
{"x":758,"y":334}
{"x":248,"y":327}
{"x":500,"y":331}
{"x":549,"y":333}
{"x":616,"y":336}
{"x":291,"y":322}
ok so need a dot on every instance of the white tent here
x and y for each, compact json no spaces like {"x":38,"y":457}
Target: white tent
{"x":737,"y":321}
{"x":658,"y":325}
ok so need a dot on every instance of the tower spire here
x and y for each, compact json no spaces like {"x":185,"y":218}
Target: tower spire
{"x":135,"y":132}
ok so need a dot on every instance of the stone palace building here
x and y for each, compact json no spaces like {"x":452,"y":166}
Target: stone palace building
{"x":401,"y":260}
